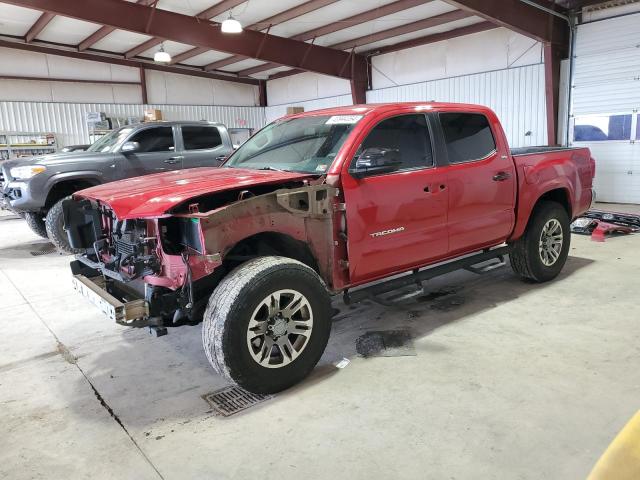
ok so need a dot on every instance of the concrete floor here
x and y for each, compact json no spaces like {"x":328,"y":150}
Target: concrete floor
{"x":509,"y":380}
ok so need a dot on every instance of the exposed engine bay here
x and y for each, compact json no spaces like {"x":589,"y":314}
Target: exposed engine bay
{"x":122,"y":248}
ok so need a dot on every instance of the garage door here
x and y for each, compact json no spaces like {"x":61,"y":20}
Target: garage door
{"x":606,"y":101}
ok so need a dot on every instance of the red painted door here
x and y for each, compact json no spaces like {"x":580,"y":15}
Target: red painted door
{"x":397,"y":220}
{"x":481,"y":179}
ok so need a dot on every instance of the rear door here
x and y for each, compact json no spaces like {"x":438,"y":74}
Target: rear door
{"x":157,"y":152}
{"x":481,"y":181}
{"x":203,"y":146}
{"x":397,"y":220}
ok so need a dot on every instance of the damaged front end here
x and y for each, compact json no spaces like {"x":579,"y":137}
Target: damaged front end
{"x":123,"y":269}
{"x":161,"y":271}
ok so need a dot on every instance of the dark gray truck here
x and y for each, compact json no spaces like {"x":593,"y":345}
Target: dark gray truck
{"x":35,"y":187}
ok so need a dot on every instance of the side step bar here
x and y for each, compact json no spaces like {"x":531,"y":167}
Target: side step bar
{"x":419,"y":276}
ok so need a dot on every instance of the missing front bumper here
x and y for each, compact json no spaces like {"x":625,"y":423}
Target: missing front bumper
{"x":94,"y":290}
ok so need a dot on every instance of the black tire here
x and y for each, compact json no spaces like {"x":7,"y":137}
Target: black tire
{"x":36,"y":223}
{"x":526,"y":258}
{"x":232,"y":306}
{"x":54,"y":222}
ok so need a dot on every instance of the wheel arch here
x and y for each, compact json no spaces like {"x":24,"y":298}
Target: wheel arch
{"x":270,"y":243}
{"x":560,"y":195}
{"x":65,"y":186}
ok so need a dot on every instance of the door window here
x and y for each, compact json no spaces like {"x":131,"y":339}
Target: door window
{"x":155,"y":139}
{"x":468,"y":136}
{"x":198,"y":137}
{"x":408,"y":134}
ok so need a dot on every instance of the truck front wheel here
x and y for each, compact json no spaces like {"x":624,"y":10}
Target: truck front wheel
{"x":542,"y":251}
{"x":267,"y":324}
{"x":35,"y":221}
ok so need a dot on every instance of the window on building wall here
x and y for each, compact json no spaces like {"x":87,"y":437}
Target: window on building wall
{"x":601,"y":128}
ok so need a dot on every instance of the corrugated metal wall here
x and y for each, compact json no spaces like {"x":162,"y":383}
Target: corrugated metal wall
{"x":68,"y":120}
{"x":273,"y":112}
{"x":515,"y":94}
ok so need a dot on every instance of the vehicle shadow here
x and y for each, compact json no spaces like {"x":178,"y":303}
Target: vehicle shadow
{"x":151,"y":383}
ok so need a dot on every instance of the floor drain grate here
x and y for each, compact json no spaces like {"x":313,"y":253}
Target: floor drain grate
{"x":44,"y":251}
{"x":231,"y":400}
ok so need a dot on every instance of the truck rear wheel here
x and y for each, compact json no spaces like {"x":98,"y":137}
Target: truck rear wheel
{"x":54,"y":222}
{"x":36,"y":223}
{"x":542,"y":251}
{"x":267,"y":324}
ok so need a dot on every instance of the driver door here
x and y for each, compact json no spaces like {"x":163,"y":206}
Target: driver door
{"x":397,"y":220}
{"x":157,"y":152}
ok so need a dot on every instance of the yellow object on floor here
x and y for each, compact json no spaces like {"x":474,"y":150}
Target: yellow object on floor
{"x":621,"y":460}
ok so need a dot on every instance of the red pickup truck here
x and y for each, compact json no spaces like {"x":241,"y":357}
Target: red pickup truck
{"x":313,"y":205}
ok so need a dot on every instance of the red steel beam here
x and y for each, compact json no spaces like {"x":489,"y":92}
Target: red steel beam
{"x":276,"y":19}
{"x":38,"y":26}
{"x":552,"y":58}
{"x":210,"y":12}
{"x":173,"y":26}
{"x":103,"y":32}
{"x":352,"y":21}
{"x":143,"y":85}
{"x":520,"y":17}
{"x":121,"y":61}
{"x":66,"y":80}
{"x":378,"y":36}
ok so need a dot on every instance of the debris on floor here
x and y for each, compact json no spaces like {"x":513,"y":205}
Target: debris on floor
{"x":343,"y":363}
{"x":389,"y":343}
{"x":233,"y":399}
{"x":601,"y":224}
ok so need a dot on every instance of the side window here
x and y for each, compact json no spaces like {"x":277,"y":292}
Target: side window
{"x":197,"y":137}
{"x":408,"y":134}
{"x":155,"y":139}
{"x":467,"y":135}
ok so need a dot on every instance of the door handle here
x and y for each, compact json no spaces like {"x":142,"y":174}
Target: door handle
{"x":221,"y":158}
{"x":173,"y":160}
{"x":501,"y":176}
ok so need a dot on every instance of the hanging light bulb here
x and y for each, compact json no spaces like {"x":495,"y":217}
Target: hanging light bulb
{"x":161,"y":56}
{"x":231,"y":25}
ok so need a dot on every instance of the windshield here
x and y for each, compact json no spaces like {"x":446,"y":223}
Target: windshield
{"x":110,"y":141}
{"x":304,"y":144}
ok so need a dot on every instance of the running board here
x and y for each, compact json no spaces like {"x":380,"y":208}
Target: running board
{"x":470,"y":263}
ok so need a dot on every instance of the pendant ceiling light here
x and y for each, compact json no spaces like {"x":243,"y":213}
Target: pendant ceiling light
{"x":161,"y":56}
{"x":231,"y":25}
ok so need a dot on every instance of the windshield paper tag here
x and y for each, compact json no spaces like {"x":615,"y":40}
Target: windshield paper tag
{"x":343,"y":119}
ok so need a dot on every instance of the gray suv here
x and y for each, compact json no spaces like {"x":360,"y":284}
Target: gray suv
{"x":35,"y":187}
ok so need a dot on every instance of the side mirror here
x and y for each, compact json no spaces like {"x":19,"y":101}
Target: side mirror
{"x":374,"y":161}
{"x":130,"y":147}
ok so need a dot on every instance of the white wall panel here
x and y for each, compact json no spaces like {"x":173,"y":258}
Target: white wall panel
{"x":171,"y":88}
{"x":496,"y":49}
{"x":305,"y":86}
{"x":516,"y":95}
{"x":165,"y":88}
{"x":274,"y":112}
{"x":68,"y":120}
